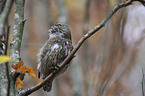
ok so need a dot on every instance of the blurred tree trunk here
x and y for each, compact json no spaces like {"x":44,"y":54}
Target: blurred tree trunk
{"x":63,"y":18}
{"x":85,"y":50}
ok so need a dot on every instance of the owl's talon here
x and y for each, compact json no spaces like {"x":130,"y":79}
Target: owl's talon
{"x":54,"y":69}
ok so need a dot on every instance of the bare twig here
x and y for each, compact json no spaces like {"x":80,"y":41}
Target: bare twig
{"x":81,"y":41}
{"x":7,"y":64}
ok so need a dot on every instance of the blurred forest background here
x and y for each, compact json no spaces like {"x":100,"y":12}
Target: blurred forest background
{"x":109,"y":63}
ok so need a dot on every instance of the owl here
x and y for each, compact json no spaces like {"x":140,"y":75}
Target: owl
{"x":55,"y":50}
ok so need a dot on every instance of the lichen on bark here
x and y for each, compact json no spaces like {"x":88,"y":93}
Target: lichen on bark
{"x":18,"y":31}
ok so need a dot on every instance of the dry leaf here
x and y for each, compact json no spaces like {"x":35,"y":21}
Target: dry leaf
{"x":18,"y":71}
{"x":18,"y":65}
{"x":25,"y":67}
{"x":32,"y":73}
{"x":22,"y":69}
{"x":19,"y":83}
{"x":28,"y":69}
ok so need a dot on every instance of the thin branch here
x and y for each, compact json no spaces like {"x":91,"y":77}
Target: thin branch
{"x":7,"y":64}
{"x":81,"y":41}
{"x":4,"y":16}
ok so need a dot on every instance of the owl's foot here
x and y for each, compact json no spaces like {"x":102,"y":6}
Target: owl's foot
{"x":55,"y":68}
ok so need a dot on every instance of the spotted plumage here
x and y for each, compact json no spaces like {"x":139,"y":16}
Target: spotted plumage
{"x":54,"y":51}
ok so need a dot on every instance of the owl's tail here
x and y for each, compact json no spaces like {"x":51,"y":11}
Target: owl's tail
{"x":47,"y":87}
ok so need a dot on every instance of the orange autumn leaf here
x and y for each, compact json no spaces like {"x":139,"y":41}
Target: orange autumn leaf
{"x":18,"y":65}
{"x":24,"y":71}
{"x":29,"y":69}
{"x":21,"y":68}
{"x":25,"y":67}
{"x":19,"y":83}
{"x":16,"y":71}
{"x":31,"y":73}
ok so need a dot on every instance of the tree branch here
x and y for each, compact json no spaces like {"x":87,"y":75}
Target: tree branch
{"x":81,"y":41}
{"x":18,"y":31}
{"x":15,"y":45}
{"x":7,"y":64}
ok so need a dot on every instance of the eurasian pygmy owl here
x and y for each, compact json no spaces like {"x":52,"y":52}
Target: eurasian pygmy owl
{"x":54,"y":51}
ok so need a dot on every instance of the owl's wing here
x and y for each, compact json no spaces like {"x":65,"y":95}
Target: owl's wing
{"x":41,"y":58}
{"x":53,"y":53}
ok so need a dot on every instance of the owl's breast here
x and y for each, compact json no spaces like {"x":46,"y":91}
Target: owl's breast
{"x":55,"y":47}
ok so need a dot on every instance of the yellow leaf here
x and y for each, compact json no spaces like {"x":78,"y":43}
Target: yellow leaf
{"x":4,"y":59}
{"x":19,"y":83}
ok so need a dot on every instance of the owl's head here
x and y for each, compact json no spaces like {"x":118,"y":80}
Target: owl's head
{"x":60,"y":30}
